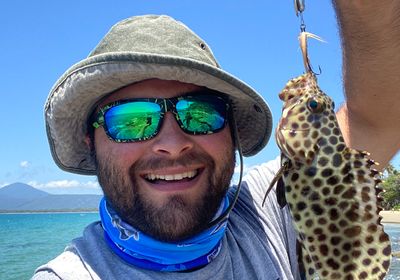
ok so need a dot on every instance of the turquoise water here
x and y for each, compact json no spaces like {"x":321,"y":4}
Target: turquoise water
{"x":29,"y":240}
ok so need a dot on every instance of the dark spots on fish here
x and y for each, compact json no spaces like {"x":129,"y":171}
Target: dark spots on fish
{"x":333,"y":228}
{"x":311,"y":271}
{"x":317,"y":183}
{"x":305,"y":191}
{"x":318,"y":231}
{"x":340,"y":147}
{"x":302,"y":118}
{"x":333,"y":214}
{"x":365,"y":195}
{"x":371,"y":251}
{"x":328,"y":150}
{"x":314,"y":196}
{"x":335,"y":240}
{"x":368,"y":207}
{"x":326,"y":191}
{"x":375,"y":270}
{"x":346,"y":169}
{"x":309,"y":223}
{"x":343,"y":223}
{"x":386,"y":264}
{"x":347,"y":155}
{"x":343,"y":205}
{"x":383,"y":237}
{"x":337,"y":160}
{"x":295,"y":125}
{"x":296,"y":144}
{"x":352,"y":232}
{"x":292,"y":133}
{"x":333,"y":264}
{"x":305,"y":125}
{"x":372,"y":228}
{"x":301,"y":206}
{"x":336,"y":131}
{"x":311,"y":171}
{"x":344,"y":258}
{"x":363,"y":275}
{"x":324,"y":273}
{"x":349,"y":267}
{"x":369,"y":239}
{"x":321,"y":237}
{"x":324,"y":250}
{"x":297,"y":217}
{"x":366,"y":262}
{"x":357,"y":164}
{"x":331,"y":118}
{"x":307,"y":143}
{"x":325,"y":131}
{"x":331,"y":201}
{"x":352,"y":215}
{"x":323,"y":161}
{"x":333,"y":140}
{"x":331,"y":125}
{"x":316,"y":124}
{"x":322,"y":142}
{"x":322,"y":221}
{"x":356,"y":254}
{"x":327,"y":172}
{"x":305,"y":133}
{"x":348,"y":179}
{"x":333,"y":180}
{"x":338,"y":189}
{"x":288,"y":189}
{"x":387,"y":251}
{"x":346,"y":246}
{"x":314,"y":135}
{"x":317,"y":209}
{"x":350,"y":193}
{"x":294,"y":177}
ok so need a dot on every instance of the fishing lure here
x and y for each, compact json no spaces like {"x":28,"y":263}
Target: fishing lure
{"x":332,"y":190}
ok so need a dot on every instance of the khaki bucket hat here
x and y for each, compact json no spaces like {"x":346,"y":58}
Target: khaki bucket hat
{"x":136,"y":49}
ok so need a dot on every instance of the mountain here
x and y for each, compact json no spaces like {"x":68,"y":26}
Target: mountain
{"x":21,"y":197}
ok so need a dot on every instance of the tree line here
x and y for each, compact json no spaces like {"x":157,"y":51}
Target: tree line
{"x":391,"y":187}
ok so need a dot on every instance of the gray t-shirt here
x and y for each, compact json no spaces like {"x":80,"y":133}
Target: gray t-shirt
{"x":260,"y":243}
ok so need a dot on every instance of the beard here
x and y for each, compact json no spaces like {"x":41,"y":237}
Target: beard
{"x":177,"y":219}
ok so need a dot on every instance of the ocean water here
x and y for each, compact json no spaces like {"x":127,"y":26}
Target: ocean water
{"x":29,"y":240}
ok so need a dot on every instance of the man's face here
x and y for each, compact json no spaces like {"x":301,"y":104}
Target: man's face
{"x":169,"y":186}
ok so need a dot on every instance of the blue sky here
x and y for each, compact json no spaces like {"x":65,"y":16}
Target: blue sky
{"x":254,"y":40}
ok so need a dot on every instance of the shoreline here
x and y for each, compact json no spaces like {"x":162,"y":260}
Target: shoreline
{"x":389,"y":216}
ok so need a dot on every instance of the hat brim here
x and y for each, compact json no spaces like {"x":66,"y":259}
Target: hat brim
{"x":72,"y":98}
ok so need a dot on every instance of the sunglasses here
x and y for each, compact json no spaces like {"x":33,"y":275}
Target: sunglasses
{"x":139,"y":119}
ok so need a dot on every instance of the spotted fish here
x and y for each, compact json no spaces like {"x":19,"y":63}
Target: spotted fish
{"x":332,"y":190}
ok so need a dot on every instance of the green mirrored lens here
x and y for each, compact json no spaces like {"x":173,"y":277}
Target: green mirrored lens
{"x":198,"y":116}
{"x":132,"y":121}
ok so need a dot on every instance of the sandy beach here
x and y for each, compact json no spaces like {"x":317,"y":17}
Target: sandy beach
{"x":390,"y":216}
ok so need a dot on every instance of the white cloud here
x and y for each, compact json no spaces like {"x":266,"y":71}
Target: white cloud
{"x":65,"y":184}
{"x":24,"y":164}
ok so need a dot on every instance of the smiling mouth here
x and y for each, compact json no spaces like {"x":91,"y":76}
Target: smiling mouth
{"x":177,"y":177}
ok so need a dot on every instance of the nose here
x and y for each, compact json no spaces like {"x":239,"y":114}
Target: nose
{"x":171,"y":140}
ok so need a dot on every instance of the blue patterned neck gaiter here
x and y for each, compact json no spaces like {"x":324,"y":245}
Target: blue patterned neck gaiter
{"x":139,"y":249}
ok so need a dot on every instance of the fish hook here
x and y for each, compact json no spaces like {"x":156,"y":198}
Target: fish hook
{"x":303,"y":46}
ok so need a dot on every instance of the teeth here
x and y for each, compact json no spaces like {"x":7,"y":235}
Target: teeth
{"x":171,"y":177}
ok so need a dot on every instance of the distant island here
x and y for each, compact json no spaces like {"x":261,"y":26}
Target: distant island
{"x":23,"y":198}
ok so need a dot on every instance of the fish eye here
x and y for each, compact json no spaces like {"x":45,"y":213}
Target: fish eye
{"x":315,"y":106}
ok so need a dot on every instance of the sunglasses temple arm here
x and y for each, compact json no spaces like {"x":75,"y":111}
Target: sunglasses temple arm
{"x":225,"y":214}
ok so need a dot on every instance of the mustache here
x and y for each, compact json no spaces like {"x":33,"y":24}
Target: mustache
{"x":160,"y":162}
